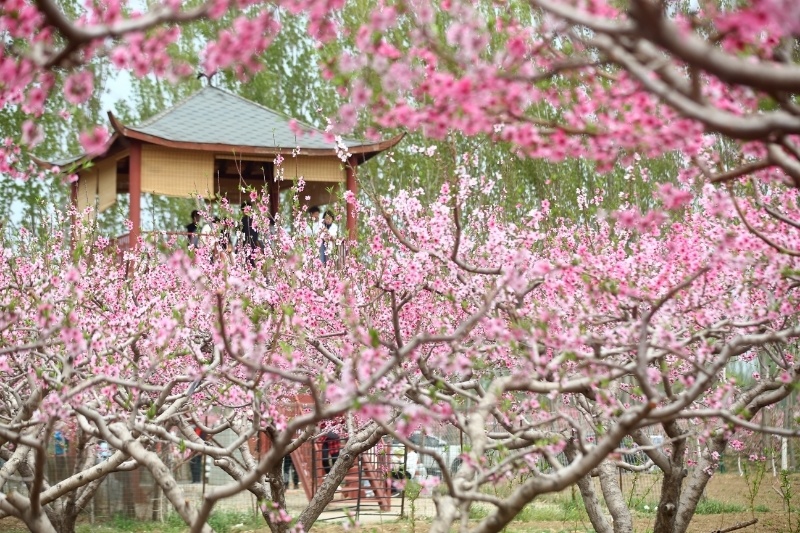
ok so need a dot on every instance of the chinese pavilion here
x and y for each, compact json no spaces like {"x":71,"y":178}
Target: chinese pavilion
{"x":211,"y":144}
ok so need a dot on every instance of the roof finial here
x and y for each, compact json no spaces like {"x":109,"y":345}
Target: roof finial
{"x":209,"y":77}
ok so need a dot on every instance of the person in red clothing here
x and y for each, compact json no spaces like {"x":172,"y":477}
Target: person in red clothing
{"x":331,"y":445}
{"x":196,"y":462}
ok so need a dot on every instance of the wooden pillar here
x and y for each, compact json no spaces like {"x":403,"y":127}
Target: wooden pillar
{"x":73,"y":199}
{"x":135,"y":190}
{"x":73,"y":196}
{"x":73,"y":203}
{"x":352,"y":186}
{"x":274,"y":197}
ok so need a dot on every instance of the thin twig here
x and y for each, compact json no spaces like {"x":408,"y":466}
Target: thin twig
{"x":740,"y":525}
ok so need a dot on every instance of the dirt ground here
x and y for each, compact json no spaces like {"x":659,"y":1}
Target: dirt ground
{"x":723,"y":489}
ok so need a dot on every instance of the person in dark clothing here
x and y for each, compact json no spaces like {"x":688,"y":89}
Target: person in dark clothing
{"x":196,"y":462}
{"x":250,"y":234}
{"x":290,"y":472}
{"x":224,"y":239}
{"x":192,"y":230}
{"x":331,"y":445}
{"x":196,"y":466}
{"x":250,"y":239}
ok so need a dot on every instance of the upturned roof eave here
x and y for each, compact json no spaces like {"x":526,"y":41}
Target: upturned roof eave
{"x":77,"y":160}
{"x":363,"y":152}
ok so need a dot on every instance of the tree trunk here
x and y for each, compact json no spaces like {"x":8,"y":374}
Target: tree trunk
{"x":278,"y":490}
{"x":671,"y":485}
{"x":67,"y":521}
{"x":592,"y":504}
{"x":615,"y":501}
{"x":589,"y":495}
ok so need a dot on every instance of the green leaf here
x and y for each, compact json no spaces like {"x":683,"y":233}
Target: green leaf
{"x":374,"y":338}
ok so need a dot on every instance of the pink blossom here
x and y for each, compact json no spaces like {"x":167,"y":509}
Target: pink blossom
{"x":36,"y":100}
{"x":78,"y":87}
{"x":672,"y":197}
{"x":94,"y":141}
{"x":429,"y":483}
{"x":32,"y":133}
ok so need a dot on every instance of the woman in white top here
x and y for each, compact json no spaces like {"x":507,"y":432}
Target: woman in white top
{"x":329,"y":230}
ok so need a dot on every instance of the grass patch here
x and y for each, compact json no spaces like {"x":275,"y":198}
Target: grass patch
{"x":535,"y":528}
{"x":478,"y":512}
{"x":706,"y":506}
{"x":221,"y":521}
{"x":709,"y":506}
{"x":123,"y":524}
{"x":224,"y":521}
{"x":645,"y":507}
{"x":560,"y":510}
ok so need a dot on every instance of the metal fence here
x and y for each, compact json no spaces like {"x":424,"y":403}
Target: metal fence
{"x":167,"y":241}
{"x":134,"y":494}
{"x":370,"y":487}
{"x":366,"y":489}
{"x":367,"y":486}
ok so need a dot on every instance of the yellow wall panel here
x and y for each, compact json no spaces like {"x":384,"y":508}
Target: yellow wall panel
{"x":87,"y":188}
{"x":320,"y":193}
{"x":328,"y":169}
{"x":173,"y":172}
{"x":106,"y":185}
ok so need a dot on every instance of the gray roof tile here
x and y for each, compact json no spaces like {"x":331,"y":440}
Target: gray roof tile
{"x":215,"y":116}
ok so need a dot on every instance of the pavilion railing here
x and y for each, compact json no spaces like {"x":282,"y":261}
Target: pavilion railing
{"x":123,"y":244}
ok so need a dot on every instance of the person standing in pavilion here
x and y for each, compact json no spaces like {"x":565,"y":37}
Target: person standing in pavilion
{"x":191,"y":229}
{"x":329,"y":231}
{"x":250,"y":239}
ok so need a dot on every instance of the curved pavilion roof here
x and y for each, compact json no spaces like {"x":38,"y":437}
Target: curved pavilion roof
{"x":214,"y":116}
{"x":215,"y":120}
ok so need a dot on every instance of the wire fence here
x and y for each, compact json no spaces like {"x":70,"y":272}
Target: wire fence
{"x":373,"y":486}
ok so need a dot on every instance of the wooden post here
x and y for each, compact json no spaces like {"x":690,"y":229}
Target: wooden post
{"x":274,"y":197}
{"x":135,"y":190}
{"x":352,"y":186}
{"x":73,"y":200}
{"x":73,"y":196}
